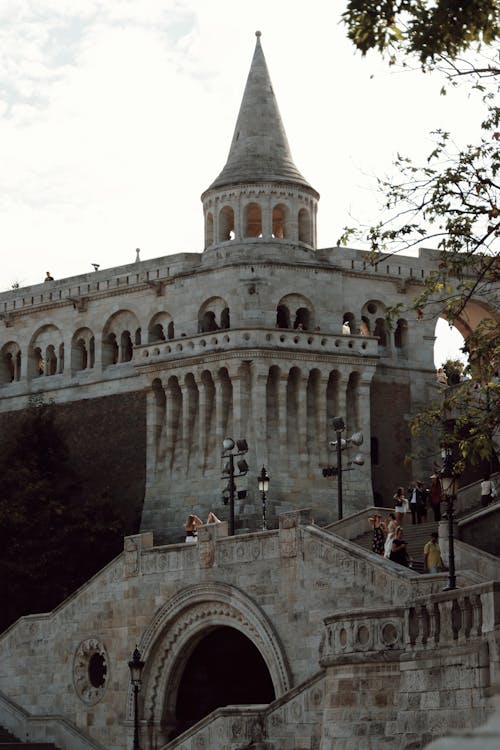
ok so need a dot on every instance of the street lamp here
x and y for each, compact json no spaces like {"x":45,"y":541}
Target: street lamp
{"x":263,"y":480}
{"x":136,"y":665}
{"x":232,"y":450}
{"x":340,"y":444}
{"x":449,"y":485}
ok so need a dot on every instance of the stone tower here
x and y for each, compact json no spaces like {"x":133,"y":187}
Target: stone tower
{"x":261,"y":336}
{"x":260,"y":193}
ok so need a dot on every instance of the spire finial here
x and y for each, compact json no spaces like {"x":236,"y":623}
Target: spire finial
{"x":258,"y":34}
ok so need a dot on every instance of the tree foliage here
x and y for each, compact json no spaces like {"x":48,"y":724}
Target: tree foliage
{"x":452,"y":201}
{"x":426,"y":29}
{"x":53,"y":538}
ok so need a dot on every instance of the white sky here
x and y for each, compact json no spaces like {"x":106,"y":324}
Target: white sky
{"x":115,"y":115}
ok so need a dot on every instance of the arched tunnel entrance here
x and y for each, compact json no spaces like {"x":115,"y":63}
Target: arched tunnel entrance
{"x":224,"y":668}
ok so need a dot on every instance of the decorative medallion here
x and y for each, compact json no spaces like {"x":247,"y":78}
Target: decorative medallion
{"x":90,"y":670}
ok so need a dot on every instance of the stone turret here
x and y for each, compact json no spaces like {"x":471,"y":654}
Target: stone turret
{"x":260,"y":194}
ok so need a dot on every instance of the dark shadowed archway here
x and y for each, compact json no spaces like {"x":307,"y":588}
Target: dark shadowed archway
{"x":225,"y":668}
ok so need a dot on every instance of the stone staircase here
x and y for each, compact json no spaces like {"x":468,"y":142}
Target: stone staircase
{"x":9,"y":742}
{"x":416,"y":537}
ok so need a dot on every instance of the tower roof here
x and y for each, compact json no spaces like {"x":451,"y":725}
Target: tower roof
{"x":259,"y":149}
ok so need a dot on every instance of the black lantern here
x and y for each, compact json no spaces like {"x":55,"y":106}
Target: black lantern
{"x":263,"y":480}
{"x":136,"y":665}
{"x":449,"y":484}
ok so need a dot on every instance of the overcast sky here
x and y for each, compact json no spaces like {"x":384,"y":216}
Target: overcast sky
{"x":115,"y":115}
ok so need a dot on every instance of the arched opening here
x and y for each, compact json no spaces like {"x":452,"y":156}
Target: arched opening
{"x":225,"y":319}
{"x":138,"y":337}
{"x":208,"y":322}
{"x":126,"y":346}
{"x":448,"y":344}
{"x":226,"y":224}
{"x":224,"y":668}
{"x":380,"y":332}
{"x":10,"y":363}
{"x":156,"y":333}
{"x":50,"y":361}
{"x":364,"y":327}
{"x":401,"y":334}
{"x":280,"y":222}
{"x":302,"y":319}
{"x":282,"y":316}
{"x":305,"y":227}
{"x":349,"y":320}
{"x":253,"y":220}
{"x":209,"y":231}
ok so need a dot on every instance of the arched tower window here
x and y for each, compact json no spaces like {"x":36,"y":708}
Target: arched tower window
{"x":280,"y":221}
{"x":305,"y":227}
{"x":226,"y":224}
{"x":137,"y":338}
{"x":253,"y":220}
{"x":209,"y":229}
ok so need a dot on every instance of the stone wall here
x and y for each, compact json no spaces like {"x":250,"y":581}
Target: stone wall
{"x":278,"y":588}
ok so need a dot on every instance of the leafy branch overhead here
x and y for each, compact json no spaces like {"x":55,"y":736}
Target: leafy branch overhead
{"x":452,"y":201}
{"x":428,"y":30}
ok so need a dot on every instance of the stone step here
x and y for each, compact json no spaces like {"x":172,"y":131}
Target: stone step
{"x":416,"y":537}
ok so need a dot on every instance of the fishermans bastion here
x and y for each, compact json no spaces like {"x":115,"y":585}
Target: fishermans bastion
{"x":290,"y":637}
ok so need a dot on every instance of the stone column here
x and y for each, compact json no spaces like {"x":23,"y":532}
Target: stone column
{"x":259,"y":416}
{"x":282,"y":416}
{"x":321,"y":421}
{"x":303,"y":455}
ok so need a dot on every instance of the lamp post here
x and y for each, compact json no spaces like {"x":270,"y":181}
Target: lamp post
{"x":449,"y":485}
{"x":263,"y":480}
{"x":229,"y":452}
{"x":136,"y":666}
{"x":340,"y":444}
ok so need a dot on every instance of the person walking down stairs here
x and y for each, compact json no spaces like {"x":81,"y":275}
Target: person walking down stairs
{"x":432,"y":555}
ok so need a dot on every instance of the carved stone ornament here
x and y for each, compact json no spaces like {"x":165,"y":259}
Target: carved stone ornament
{"x":90,"y":671}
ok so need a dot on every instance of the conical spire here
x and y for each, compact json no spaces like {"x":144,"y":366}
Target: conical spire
{"x":259,"y":149}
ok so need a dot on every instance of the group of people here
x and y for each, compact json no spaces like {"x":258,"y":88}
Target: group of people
{"x":193,"y":523}
{"x":417,"y":500}
{"x":388,"y":541}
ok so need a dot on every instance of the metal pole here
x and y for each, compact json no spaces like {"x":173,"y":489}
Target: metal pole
{"x":136,"y":745}
{"x":452,"y":581}
{"x":264,"y":523}
{"x":231,"y":495}
{"x":339,"y":473}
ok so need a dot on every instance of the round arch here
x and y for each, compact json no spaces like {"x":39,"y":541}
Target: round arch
{"x":473,"y":313}
{"x":180,"y":625}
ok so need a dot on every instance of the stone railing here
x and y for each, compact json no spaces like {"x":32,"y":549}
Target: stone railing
{"x":255,"y":338}
{"x":237,"y":727}
{"x":54,"y":729}
{"x":356,"y":524}
{"x":441,"y":619}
